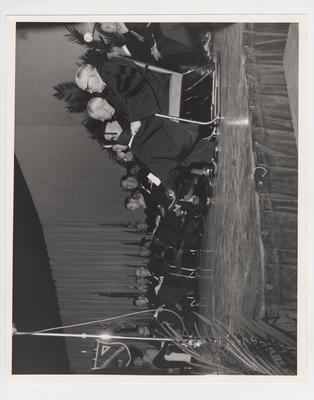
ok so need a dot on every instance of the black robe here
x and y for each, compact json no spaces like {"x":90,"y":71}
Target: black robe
{"x":136,"y":93}
{"x":161,"y":145}
{"x":139,"y":50}
{"x":176,"y":42}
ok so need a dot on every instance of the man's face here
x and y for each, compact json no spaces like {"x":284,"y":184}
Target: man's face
{"x":144,"y":252}
{"x":108,"y":26}
{"x":143,"y":331}
{"x":122,"y":156}
{"x":147,"y":244}
{"x":142,"y":226}
{"x":130,"y":183}
{"x":128,"y":156}
{"x":133,"y":204}
{"x":116,"y":52}
{"x":138,"y":362}
{"x":142,"y":272}
{"x":90,"y":80}
{"x":100,"y":109}
{"x":141,"y":301}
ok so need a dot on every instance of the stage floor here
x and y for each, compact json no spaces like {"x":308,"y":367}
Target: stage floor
{"x":232,"y":273}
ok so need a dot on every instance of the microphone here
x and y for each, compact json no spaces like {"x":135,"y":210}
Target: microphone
{"x":90,"y":31}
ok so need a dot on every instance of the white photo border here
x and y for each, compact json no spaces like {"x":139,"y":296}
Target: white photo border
{"x":304,"y":142}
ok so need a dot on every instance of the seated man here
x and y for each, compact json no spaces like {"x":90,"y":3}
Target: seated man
{"x":169,"y":356}
{"x":157,"y":268}
{"x":141,"y":226}
{"x":133,"y":94}
{"x":162,"y":322}
{"x":159,"y":145}
{"x":153,"y":211}
{"x":175,"y":238}
{"x":126,"y":43}
{"x":161,"y":292}
{"x":144,"y":252}
{"x":149,"y":185}
{"x":171,"y":45}
{"x":151,"y":135}
{"x":175,"y":41}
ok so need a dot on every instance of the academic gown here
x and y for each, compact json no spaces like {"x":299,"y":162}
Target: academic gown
{"x":175,"y":41}
{"x":161,"y":145}
{"x":138,"y":94}
{"x":139,"y":50}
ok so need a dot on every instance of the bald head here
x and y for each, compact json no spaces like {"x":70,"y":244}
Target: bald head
{"x":87,"y":78}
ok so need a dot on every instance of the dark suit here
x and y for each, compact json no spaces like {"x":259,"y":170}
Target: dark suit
{"x":151,"y":211}
{"x":160,"y":361}
{"x":168,"y":294}
{"x":156,"y":193}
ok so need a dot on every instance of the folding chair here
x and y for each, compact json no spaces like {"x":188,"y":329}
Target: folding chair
{"x":175,"y":92}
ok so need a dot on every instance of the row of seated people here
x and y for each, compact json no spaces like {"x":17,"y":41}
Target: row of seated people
{"x":184,"y":48}
{"x":173,"y":46}
{"x":112,"y":88}
{"x":174,"y":229}
{"x":161,"y":355}
{"x":122,"y":105}
{"x":173,"y":235}
{"x":172,"y":162}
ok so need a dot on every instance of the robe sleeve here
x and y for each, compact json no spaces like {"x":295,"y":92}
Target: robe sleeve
{"x":139,"y":51}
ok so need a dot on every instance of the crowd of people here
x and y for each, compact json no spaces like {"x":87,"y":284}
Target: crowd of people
{"x":169,"y":164}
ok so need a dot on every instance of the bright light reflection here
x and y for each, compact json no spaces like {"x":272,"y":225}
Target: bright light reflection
{"x":105,"y":336}
{"x":237,"y":122}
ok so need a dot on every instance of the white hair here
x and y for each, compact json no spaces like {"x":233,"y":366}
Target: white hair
{"x":80,"y":71}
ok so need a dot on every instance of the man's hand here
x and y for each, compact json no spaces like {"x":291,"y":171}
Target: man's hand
{"x":177,"y":210}
{"x":162,"y":211}
{"x":171,"y":194}
{"x":155,"y":52}
{"x":109,"y":26}
{"x":135,"y":126}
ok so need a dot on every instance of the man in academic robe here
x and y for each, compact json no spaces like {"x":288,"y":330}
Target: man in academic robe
{"x":124,"y":42}
{"x":137,"y":94}
{"x":161,"y":144}
{"x":170,"y":45}
{"x":176,"y":43}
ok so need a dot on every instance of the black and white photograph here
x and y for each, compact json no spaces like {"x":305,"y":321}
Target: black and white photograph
{"x":155,"y":197}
